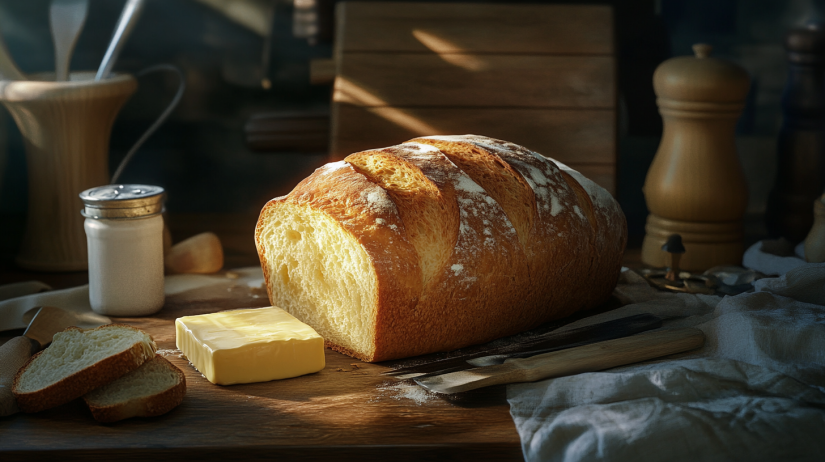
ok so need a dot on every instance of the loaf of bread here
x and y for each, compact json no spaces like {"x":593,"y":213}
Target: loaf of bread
{"x":439,"y":243}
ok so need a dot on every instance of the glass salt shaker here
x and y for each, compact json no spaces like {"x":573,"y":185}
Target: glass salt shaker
{"x":124,"y":231}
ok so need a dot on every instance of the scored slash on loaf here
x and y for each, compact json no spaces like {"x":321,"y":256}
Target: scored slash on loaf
{"x":439,"y":243}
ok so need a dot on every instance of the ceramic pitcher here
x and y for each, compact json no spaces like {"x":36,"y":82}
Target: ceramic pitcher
{"x":66,"y":128}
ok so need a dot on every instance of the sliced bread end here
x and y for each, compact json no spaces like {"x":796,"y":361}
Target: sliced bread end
{"x":153,"y":389}
{"x":64,"y":371}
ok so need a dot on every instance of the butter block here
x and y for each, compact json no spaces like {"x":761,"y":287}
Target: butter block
{"x":251,"y":345}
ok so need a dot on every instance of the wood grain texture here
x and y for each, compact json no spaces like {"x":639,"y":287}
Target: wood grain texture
{"x":467,"y":80}
{"x":321,"y":71}
{"x":574,"y":136}
{"x":65,"y":128}
{"x":346,"y":411}
{"x":584,"y":140}
{"x":588,"y":358}
{"x":542,"y":76}
{"x":478,"y":28}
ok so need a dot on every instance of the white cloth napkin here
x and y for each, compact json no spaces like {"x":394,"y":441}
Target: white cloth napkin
{"x":755,"y":391}
{"x":774,"y":257}
{"x":76,"y":299}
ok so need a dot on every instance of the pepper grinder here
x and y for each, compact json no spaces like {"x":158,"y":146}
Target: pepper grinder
{"x":696,"y":186}
{"x":800,"y":172}
{"x":815,"y":242}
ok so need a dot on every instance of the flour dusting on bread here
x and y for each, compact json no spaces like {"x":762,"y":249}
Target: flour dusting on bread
{"x":439,"y":243}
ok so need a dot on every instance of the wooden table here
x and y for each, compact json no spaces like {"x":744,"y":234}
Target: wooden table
{"x":346,"y":411}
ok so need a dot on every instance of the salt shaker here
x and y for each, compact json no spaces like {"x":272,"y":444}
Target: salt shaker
{"x":124,"y":232}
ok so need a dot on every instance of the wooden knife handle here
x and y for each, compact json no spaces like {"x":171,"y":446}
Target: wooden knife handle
{"x":13,"y":354}
{"x":587,"y":358}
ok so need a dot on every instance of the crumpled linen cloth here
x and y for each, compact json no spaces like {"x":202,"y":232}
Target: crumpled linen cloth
{"x":15,"y":313}
{"x":755,"y":391}
{"x":774,"y":257}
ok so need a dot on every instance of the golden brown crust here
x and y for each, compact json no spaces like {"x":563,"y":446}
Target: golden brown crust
{"x":486,"y":270}
{"x":338,"y":193}
{"x":564,"y":257}
{"x":558,"y":264}
{"x":149,"y":406}
{"x":581,"y":272}
{"x":81,"y":382}
{"x":347,"y":351}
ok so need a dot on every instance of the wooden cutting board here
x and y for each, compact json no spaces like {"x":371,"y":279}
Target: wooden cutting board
{"x":542,"y":76}
{"x":346,"y":411}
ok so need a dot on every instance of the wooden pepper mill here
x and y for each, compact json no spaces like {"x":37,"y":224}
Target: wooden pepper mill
{"x":696,"y":186}
{"x":815,"y":242}
{"x":800,"y":172}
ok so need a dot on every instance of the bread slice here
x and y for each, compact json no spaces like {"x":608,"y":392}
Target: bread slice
{"x":153,"y":389}
{"x":77,"y":362}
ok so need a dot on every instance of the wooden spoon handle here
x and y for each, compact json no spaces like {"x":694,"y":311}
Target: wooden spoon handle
{"x":588,"y":358}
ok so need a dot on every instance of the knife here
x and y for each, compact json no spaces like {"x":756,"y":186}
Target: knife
{"x":48,"y":321}
{"x":545,"y":343}
{"x":588,"y":358}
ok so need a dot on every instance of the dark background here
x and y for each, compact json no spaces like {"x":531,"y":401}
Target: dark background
{"x":200,"y":155}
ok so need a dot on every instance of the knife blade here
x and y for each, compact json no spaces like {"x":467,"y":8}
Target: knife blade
{"x":48,"y":321}
{"x":588,"y":358}
{"x":551,"y":341}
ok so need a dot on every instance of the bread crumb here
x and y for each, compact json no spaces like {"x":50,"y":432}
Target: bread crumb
{"x":170,"y":352}
{"x":402,"y":390}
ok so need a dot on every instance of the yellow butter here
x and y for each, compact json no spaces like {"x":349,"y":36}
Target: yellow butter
{"x":252,"y":345}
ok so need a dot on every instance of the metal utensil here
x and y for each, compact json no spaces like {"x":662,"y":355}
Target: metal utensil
{"x":675,"y":280}
{"x":48,"y":321}
{"x":587,"y":358}
{"x":551,"y":341}
{"x":66,"y":18}
{"x":8,"y":69}
{"x":128,"y":19}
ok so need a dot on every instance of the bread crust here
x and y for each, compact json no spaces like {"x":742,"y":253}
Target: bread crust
{"x":496,"y":282}
{"x":149,"y":406}
{"x":607,"y":236}
{"x":83,"y":381}
{"x":337,"y":190}
{"x":558,"y":264}
{"x":487,"y":270}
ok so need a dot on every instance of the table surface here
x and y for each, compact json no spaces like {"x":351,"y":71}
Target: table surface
{"x":345,"y":411}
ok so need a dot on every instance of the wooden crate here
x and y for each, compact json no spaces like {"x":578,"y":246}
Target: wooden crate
{"x":542,"y":76}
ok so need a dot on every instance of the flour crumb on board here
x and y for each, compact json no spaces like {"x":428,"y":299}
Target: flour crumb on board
{"x":170,"y":352}
{"x":402,"y":390}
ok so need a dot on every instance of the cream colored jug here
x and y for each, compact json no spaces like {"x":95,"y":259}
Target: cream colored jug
{"x":66,"y":128}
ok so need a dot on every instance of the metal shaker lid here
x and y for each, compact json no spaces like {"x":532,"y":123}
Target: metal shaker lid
{"x":123,"y":201}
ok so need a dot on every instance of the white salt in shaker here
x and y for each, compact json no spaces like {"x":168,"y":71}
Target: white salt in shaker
{"x":124,"y":230}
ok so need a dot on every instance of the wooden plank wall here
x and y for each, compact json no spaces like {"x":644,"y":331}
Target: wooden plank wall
{"x":542,"y":76}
